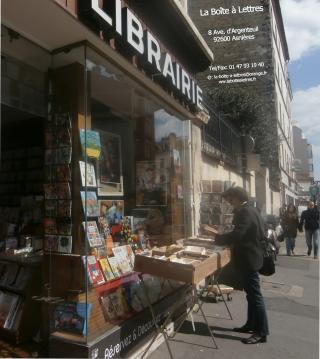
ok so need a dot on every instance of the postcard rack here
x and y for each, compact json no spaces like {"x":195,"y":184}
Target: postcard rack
{"x":191,"y":274}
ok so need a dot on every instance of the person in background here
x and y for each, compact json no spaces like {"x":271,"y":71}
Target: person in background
{"x":247,"y":255}
{"x":310,"y":220}
{"x":290,"y":224}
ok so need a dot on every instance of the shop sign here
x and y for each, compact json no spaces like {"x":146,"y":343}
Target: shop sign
{"x":128,"y":26}
{"x":238,"y":31}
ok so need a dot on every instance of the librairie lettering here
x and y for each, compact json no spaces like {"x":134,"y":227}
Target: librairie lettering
{"x":127,"y":25}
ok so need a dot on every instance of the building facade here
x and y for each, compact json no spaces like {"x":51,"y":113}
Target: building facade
{"x":303,"y":166}
{"x":251,"y":61}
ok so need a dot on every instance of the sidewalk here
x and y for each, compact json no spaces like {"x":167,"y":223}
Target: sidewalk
{"x":292,"y":301}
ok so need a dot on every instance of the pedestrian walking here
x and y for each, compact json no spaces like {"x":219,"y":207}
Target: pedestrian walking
{"x":310,"y":220}
{"x":290,"y":224}
{"x":248,"y":258}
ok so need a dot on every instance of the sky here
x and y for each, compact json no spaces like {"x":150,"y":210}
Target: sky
{"x":302,"y":27}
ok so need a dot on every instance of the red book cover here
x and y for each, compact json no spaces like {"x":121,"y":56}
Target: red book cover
{"x":94,"y":272}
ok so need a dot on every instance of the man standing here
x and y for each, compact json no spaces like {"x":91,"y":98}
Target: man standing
{"x":310,"y":219}
{"x":248,"y":258}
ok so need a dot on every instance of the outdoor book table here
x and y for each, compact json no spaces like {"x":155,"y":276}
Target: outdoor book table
{"x":192,"y":273}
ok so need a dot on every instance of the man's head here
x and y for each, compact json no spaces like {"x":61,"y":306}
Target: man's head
{"x":311,"y":204}
{"x":235,"y":196}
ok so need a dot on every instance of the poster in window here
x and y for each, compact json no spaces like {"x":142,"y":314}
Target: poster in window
{"x":110,"y":180}
{"x":151,"y":184}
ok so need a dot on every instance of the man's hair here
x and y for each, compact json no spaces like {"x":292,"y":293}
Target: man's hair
{"x":237,"y":192}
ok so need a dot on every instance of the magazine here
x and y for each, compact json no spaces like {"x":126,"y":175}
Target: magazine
{"x":64,"y":226}
{"x":63,"y":190}
{"x":93,"y":269}
{"x":90,"y":180}
{"x":93,"y":235}
{"x":90,"y":203}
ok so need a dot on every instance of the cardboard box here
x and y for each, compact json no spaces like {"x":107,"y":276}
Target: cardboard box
{"x":187,"y":273}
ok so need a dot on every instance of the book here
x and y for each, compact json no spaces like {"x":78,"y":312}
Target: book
{"x":64,"y":226}
{"x":63,"y":173}
{"x":72,"y":317}
{"x":90,"y":203}
{"x":90,"y":143}
{"x":51,"y":243}
{"x":63,"y":190}
{"x":108,"y":308}
{"x":119,"y":302}
{"x":65,"y":244}
{"x":114,"y":266}
{"x":93,"y":270}
{"x":130,"y":255}
{"x":50,"y":226}
{"x":106,"y":269}
{"x":90,"y":179}
{"x":50,"y":191}
{"x":64,"y":208}
{"x":93,"y":235}
{"x":63,"y":155}
{"x":123,"y":260}
{"x":51,"y":208}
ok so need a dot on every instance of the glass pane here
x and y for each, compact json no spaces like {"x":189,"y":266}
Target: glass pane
{"x":135,"y":154}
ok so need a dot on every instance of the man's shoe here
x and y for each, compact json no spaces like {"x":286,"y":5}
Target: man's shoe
{"x":243,"y":329}
{"x":255,"y":339}
{"x":309,"y":252}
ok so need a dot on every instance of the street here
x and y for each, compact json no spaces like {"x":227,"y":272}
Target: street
{"x":292,"y":300}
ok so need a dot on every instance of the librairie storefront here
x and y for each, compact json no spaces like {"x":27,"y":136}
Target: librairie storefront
{"x":94,"y":167}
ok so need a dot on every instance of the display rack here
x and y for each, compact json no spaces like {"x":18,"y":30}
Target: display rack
{"x":192,"y":275}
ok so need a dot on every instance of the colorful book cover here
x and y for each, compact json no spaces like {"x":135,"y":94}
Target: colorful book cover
{"x":50,"y":226}
{"x":90,"y":143}
{"x":72,"y":317}
{"x":90,"y":180}
{"x":93,"y":235}
{"x":93,"y":269}
{"x":108,"y":308}
{"x":65,"y":244}
{"x":122,"y":257}
{"x":90,"y":203}
{"x":63,"y":173}
{"x":106,"y":269}
{"x":64,"y":208}
{"x":114,"y":266}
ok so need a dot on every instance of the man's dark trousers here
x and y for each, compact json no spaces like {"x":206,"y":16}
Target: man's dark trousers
{"x":257,"y":316}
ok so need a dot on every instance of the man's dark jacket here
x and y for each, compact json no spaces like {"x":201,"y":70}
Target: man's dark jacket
{"x":245,"y":238}
{"x":310,"y":218}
